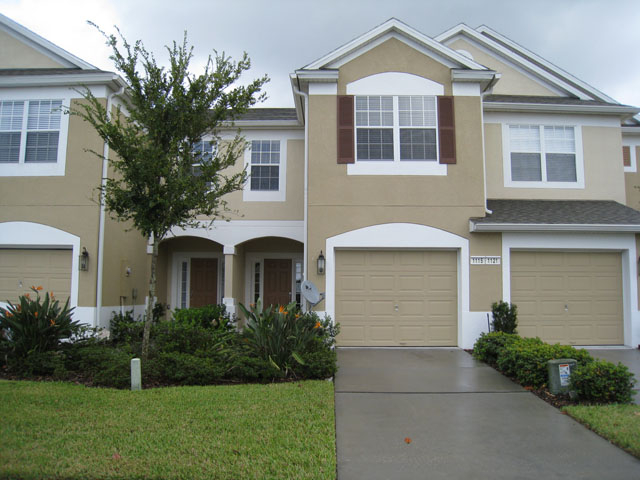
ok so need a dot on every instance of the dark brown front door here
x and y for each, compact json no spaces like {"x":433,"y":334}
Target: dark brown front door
{"x":204,"y":282}
{"x":277,"y":281}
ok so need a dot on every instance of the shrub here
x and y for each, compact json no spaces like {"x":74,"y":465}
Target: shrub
{"x":489,"y":346}
{"x":35,"y":326}
{"x":526,"y":359}
{"x":124,"y":329}
{"x":282,"y":335}
{"x":245,"y":366}
{"x":169,"y":336}
{"x":187,"y":369}
{"x":319,"y":362}
{"x":104,"y":364}
{"x":50,"y":363}
{"x":209,"y":316}
{"x":600,"y":381}
{"x":505,"y":317}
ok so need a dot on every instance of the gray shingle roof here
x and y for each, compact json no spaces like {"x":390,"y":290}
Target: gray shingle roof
{"x":543,"y":100}
{"x":557,"y":212}
{"x":48,"y":71}
{"x":258,"y":114}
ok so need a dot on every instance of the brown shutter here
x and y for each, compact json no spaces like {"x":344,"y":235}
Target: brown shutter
{"x":446,"y":130}
{"x":345,"y":129}
{"x":626,"y":156}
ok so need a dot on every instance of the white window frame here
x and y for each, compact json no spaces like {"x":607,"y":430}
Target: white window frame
{"x":395,"y":84}
{"x":632,"y":144}
{"x":279,"y":195}
{"x":176,"y":276}
{"x":39,"y":169}
{"x":544,"y":183}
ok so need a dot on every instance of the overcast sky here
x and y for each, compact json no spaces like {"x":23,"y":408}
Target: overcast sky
{"x":598,"y":41}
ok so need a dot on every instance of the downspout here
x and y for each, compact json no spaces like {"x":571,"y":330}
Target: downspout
{"x":299,"y":92}
{"x":493,"y":81}
{"x":105,"y":172}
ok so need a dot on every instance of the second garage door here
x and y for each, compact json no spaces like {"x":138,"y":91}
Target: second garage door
{"x":22,"y":268}
{"x":569,"y":297}
{"x":396,"y":298}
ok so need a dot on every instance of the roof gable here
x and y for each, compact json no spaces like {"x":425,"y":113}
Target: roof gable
{"x":393,"y":28}
{"x":505,"y":49}
{"x":43,"y":47}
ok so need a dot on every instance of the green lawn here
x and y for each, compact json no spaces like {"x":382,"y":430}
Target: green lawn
{"x":58,"y":430}
{"x":619,"y":424}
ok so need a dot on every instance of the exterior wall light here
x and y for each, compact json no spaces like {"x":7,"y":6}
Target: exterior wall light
{"x":321,"y":263}
{"x":84,"y":260}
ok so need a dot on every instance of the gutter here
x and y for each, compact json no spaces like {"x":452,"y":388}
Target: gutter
{"x":550,"y":107}
{"x":551,"y":227}
{"x":105,"y":172}
{"x":297,"y":91}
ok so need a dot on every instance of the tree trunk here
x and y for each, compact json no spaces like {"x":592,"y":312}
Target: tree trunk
{"x":148,"y":320}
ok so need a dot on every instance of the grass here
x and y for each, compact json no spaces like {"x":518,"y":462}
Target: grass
{"x":58,"y":430}
{"x":620,"y":424}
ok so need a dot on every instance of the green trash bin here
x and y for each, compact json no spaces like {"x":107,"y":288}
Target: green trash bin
{"x":560,"y":374}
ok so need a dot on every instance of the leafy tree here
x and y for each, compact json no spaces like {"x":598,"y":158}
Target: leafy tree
{"x":166,"y":111}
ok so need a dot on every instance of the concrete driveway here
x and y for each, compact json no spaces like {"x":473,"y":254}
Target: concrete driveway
{"x":464,"y":421}
{"x":627,"y":356}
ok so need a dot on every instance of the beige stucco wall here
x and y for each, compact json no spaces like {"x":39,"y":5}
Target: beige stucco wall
{"x":16,"y":54}
{"x":632,"y":184}
{"x":512,"y":81}
{"x":603,"y":169}
{"x":393,"y":56}
{"x":64,"y":202}
{"x":485,"y":281}
{"x":291,"y":209}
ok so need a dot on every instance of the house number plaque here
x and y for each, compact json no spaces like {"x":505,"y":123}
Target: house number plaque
{"x":485,"y":260}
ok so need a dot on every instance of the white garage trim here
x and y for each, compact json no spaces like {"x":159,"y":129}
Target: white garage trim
{"x":623,"y":243}
{"x":399,"y":236}
{"x":36,"y":235}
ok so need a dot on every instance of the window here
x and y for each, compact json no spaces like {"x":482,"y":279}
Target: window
{"x":543,"y":154}
{"x":390,"y":128}
{"x":204,"y":150}
{"x":265,"y":165}
{"x":30,"y":131}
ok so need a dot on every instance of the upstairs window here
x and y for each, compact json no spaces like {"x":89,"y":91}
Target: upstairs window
{"x":543,"y":154}
{"x":30,"y":131}
{"x":396,"y":128}
{"x":265,"y":165}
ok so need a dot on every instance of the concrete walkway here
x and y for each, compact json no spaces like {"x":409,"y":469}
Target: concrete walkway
{"x":465,"y":421}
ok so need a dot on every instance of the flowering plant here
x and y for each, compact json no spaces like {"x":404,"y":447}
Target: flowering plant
{"x":35,"y":325}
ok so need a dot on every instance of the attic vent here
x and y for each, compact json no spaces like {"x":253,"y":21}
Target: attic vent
{"x":465,"y":53}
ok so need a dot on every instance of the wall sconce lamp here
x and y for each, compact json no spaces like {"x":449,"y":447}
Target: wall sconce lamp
{"x":84,"y":260}
{"x":321,"y":263}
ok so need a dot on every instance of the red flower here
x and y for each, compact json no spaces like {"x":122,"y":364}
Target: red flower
{"x":407,"y":440}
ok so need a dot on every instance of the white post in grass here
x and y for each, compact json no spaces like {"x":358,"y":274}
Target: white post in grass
{"x":136,"y":375}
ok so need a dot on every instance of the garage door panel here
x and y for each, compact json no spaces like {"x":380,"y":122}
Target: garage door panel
{"x":422,"y":284}
{"x":22,"y":268}
{"x":589,"y":284}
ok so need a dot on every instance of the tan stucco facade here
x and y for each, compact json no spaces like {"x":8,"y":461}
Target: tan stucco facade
{"x":16,"y":54}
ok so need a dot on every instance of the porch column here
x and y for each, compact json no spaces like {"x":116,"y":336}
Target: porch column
{"x":229,"y":259}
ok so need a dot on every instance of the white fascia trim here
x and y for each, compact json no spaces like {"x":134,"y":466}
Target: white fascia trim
{"x":323,"y":88}
{"x":35,"y":235}
{"x":235,"y":232}
{"x":630,"y":130}
{"x":611,"y":242}
{"x":43,"y":45}
{"x":530,"y":56}
{"x":538,"y":107}
{"x":115,"y":82}
{"x":401,"y":236}
{"x":465,"y":89}
{"x":266,"y":124}
{"x":547,"y":227}
{"x":567,"y":119}
{"x":400,"y":29}
{"x":325,"y":75}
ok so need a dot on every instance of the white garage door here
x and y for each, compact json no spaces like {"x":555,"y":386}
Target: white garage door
{"x":396,"y":298}
{"x":22,"y":268}
{"x":569,"y":297}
